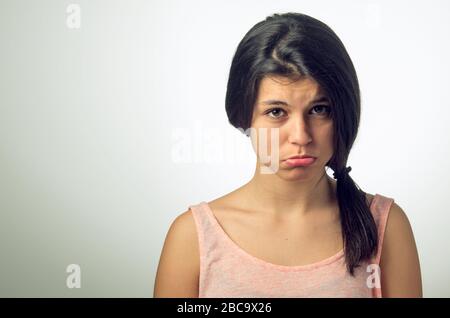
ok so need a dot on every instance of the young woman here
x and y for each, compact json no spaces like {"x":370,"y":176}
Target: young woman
{"x":292,"y":231}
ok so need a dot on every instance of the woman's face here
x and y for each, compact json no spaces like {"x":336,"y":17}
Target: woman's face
{"x":301,"y":116}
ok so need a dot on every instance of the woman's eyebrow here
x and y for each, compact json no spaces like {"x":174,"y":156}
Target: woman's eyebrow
{"x":280,"y":102}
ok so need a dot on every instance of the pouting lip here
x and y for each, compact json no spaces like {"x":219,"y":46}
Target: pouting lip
{"x":300,"y":156}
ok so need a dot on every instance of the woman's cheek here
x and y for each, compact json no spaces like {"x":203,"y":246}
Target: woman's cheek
{"x":266,"y":143}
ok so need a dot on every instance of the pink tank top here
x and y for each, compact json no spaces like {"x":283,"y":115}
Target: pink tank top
{"x":226,"y":270}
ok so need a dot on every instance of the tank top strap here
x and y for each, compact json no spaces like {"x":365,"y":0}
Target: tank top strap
{"x":204,"y":220}
{"x":209,"y":238}
{"x":380,"y":208}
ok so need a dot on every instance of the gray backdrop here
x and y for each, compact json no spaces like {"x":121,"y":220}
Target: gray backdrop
{"x":112,"y":123}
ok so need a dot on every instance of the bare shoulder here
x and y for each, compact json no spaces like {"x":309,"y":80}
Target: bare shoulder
{"x":179,"y":264}
{"x":400,"y":266}
{"x":397,"y":218}
{"x":398,"y":225}
{"x":185,"y":224}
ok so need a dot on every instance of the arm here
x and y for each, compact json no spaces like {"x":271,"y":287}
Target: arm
{"x":178,"y":269}
{"x":399,"y":262}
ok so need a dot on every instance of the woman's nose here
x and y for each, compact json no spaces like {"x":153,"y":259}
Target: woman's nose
{"x":299,"y":132}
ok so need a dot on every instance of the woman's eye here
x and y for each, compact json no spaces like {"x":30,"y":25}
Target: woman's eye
{"x":322,"y":107}
{"x":319,"y":109}
{"x":275,"y":111}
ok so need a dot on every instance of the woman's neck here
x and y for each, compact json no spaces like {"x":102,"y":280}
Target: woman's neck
{"x":275,"y":196}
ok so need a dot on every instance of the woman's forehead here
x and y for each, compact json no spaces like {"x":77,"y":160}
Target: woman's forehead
{"x":302,"y":89}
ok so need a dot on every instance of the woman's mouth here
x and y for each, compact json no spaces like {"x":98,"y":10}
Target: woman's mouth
{"x":304,"y":162}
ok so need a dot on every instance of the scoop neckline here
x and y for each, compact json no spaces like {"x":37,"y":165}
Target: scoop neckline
{"x":241,"y":251}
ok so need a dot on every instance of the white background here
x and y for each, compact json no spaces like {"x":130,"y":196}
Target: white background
{"x":90,"y":121}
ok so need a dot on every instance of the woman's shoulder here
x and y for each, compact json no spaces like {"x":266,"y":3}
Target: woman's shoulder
{"x":183,"y":233}
{"x":177,"y":278}
{"x":399,"y":257}
{"x":184,"y":224}
{"x":182,"y":243}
